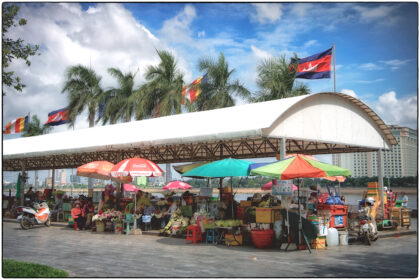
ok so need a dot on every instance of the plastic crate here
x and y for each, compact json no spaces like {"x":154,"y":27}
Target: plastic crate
{"x":264,"y":215}
{"x":245,"y":203}
{"x":338,"y":221}
{"x":233,"y":240}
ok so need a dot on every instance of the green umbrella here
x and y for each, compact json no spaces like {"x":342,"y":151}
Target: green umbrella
{"x":229,"y":167}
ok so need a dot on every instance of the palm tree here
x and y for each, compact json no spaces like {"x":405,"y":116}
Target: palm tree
{"x":218,"y":91}
{"x":276,"y":78}
{"x":120,"y":102}
{"x":34,"y":128}
{"x":83,"y":88}
{"x":162,"y":94}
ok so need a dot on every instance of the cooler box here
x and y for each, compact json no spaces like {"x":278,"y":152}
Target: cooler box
{"x":263,"y":215}
{"x":338,"y":214}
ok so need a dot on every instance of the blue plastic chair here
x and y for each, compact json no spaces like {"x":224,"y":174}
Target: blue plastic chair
{"x":210,"y":236}
{"x":127,"y":222}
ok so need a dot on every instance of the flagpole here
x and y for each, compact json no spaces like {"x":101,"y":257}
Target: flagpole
{"x":335,"y":89}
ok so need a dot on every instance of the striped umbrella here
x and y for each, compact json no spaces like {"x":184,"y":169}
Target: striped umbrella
{"x":136,"y":167}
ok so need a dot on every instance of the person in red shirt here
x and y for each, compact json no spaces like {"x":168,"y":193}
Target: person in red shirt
{"x":77,"y":214}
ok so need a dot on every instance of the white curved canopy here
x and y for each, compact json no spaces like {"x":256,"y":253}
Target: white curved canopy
{"x":317,"y":118}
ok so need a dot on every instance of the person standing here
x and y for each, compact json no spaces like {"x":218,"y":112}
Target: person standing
{"x":77,"y":214}
{"x":404,"y":203}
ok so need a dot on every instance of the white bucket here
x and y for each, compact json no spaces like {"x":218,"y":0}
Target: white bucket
{"x":344,"y":238}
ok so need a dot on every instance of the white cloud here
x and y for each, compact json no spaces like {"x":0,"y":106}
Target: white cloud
{"x":104,"y":36}
{"x":350,"y":92}
{"x":383,"y":14}
{"x":369,"y":66}
{"x":370,"y":81}
{"x":267,"y":12}
{"x":310,"y":43}
{"x":177,"y":29}
{"x":201,"y":34}
{"x":396,"y":63}
{"x":260,"y":54}
{"x":394,"y":110}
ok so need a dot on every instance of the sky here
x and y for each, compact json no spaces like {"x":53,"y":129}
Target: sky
{"x":376,"y":47}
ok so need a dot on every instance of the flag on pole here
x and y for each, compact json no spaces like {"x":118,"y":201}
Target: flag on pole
{"x":16,"y":126}
{"x":191,"y":92}
{"x":57,"y":117}
{"x":317,"y":66}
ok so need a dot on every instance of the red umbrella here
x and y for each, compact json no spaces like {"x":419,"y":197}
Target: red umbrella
{"x":130,"y":188}
{"x":177,"y":185}
{"x":100,"y":170}
{"x":269,"y":186}
{"x":136,"y":167}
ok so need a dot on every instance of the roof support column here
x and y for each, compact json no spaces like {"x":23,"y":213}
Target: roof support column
{"x":282,"y":150}
{"x":22,"y":184}
{"x":381,"y":181}
{"x":168,"y":174}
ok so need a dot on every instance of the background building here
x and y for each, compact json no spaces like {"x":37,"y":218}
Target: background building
{"x":400,"y":161}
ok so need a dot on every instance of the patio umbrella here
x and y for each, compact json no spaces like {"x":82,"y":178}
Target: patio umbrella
{"x":269,"y":186}
{"x":340,"y":179}
{"x":136,"y":167}
{"x":296,"y":167}
{"x":130,"y":188}
{"x":100,"y":170}
{"x":228,"y":167}
{"x":181,"y":169}
{"x":177,"y":185}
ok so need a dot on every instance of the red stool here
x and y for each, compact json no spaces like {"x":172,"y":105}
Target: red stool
{"x":194,"y":234}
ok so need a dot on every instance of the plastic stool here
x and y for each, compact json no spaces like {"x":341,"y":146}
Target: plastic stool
{"x":194,"y":234}
{"x":60,"y":212}
{"x":210,"y":236}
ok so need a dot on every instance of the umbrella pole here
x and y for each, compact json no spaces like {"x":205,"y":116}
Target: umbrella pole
{"x":300,"y":220}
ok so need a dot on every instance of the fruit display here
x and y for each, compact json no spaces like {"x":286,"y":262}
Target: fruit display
{"x":229,"y":223}
{"x":176,"y":225}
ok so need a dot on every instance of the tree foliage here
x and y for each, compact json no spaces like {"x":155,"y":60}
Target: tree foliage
{"x":13,"y":49}
{"x":276,"y":79}
{"x":162,"y":94}
{"x":35,"y":128}
{"x":84,"y":90}
{"x":120,"y":102}
{"x":220,"y":89}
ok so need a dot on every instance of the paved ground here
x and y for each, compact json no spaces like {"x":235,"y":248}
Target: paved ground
{"x":87,"y":254}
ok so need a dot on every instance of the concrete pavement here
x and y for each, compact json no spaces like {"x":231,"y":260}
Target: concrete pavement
{"x":87,"y":254}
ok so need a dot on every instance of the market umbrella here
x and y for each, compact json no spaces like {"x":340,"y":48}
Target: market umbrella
{"x":228,"y":167}
{"x":269,"y":186}
{"x":296,"y":167}
{"x":136,"y":167}
{"x":340,"y":179}
{"x":100,"y":170}
{"x":181,"y":169}
{"x":177,"y":185}
{"x":130,"y":188}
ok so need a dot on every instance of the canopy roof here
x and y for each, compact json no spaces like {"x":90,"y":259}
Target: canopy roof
{"x":320,"y":123}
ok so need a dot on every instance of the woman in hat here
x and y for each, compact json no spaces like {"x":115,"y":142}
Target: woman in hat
{"x":77,"y":214}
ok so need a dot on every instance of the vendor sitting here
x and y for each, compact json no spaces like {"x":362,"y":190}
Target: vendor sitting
{"x":108,"y":202}
{"x":172,"y":208}
{"x":77,"y":215}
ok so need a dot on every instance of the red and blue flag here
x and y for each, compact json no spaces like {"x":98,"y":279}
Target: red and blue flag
{"x":317,"y":66}
{"x":57,"y":117}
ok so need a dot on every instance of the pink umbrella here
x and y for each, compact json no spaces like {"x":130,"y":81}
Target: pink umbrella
{"x":269,"y":186}
{"x":130,"y":188}
{"x":136,"y":167}
{"x":177,"y":185}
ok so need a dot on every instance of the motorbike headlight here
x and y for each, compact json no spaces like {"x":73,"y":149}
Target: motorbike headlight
{"x":19,"y":210}
{"x":363,"y":222}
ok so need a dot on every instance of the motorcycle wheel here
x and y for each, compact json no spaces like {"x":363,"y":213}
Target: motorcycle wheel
{"x":367,"y":238}
{"x":48,"y":222}
{"x":25,"y":222}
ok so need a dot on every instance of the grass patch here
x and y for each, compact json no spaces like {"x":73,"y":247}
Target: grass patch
{"x":17,"y":269}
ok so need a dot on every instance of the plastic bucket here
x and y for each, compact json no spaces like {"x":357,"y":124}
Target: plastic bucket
{"x":344,"y":238}
{"x":262,"y":238}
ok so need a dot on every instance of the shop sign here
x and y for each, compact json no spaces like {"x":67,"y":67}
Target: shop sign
{"x":282,"y":188}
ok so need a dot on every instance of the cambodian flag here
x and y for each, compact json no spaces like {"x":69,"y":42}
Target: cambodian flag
{"x":317,"y":66}
{"x":57,"y":117}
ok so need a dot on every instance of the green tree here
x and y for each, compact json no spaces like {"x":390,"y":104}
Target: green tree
{"x":120,"y":102}
{"x":35,"y":128}
{"x":84,"y":90}
{"x":276,"y":79}
{"x":219,"y":90}
{"x":13,"y":49}
{"x":162,"y":94}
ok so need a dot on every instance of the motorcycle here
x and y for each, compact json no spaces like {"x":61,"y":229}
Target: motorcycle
{"x":368,"y":230}
{"x":39,"y":214}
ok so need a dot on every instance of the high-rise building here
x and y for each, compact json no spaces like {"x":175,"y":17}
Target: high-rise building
{"x":74,"y":179}
{"x":400,"y":161}
{"x":63,"y":177}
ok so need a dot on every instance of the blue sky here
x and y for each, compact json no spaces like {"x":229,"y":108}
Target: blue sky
{"x":376,"y":47}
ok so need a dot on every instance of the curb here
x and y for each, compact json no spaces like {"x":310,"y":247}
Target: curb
{"x":387,"y":235}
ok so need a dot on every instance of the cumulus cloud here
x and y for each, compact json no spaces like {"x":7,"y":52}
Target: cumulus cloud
{"x":350,"y":92}
{"x":267,"y":12}
{"x":394,"y":110}
{"x":396,"y":63}
{"x":383,"y":14}
{"x":177,"y":29}
{"x":103,"y":36}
